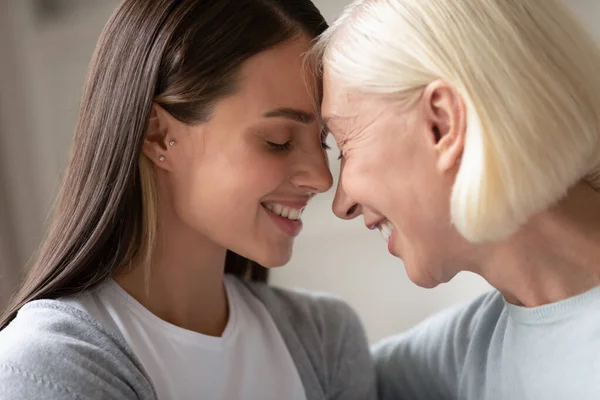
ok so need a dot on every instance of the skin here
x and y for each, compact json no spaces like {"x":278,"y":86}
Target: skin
{"x":399,"y":163}
{"x":216,"y":179}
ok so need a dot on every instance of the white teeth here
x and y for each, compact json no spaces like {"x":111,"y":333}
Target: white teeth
{"x":287,"y":212}
{"x":294,"y":214}
{"x":386,"y":230}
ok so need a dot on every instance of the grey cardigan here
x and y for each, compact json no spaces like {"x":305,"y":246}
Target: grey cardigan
{"x":53,"y":351}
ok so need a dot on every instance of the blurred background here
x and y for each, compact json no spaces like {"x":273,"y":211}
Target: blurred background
{"x":45,"y":46}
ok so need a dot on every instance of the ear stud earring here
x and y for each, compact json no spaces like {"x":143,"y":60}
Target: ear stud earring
{"x":172,"y":143}
{"x":161,"y":158}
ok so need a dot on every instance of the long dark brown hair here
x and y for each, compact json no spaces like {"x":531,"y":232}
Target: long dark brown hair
{"x":184,"y":55}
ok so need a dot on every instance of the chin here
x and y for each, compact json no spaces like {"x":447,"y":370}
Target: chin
{"x":274,"y":259}
{"x":273,"y":265}
{"x":420,"y":276}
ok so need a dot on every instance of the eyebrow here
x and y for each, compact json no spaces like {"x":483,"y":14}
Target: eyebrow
{"x":290,"y":113}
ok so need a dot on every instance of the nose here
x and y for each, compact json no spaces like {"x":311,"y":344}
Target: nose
{"x":313,"y":173}
{"x":343,"y":206}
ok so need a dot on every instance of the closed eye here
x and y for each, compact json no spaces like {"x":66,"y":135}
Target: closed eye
{"x":280,"y":147}
{"x":324,"y":134}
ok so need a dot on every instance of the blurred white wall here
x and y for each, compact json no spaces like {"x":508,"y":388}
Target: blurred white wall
{"x":45,"y":75}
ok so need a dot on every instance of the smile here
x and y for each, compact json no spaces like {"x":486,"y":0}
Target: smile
{"x":386,"y":228}
{"x":293,"y":214}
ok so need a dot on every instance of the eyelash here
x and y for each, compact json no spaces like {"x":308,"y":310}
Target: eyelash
{"x":280,"y":147}
{"x":288,"y":145}
{"x":324,"y":144}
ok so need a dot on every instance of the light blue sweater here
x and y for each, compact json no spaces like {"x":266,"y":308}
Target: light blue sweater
{"x":492,"y":350}
{"x":54,"y":351}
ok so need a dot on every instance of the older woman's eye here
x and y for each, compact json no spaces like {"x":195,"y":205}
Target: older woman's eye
{"x":324,"y":134}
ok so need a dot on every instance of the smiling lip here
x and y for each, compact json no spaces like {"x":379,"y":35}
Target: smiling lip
{"x":286,"y":214}
{"x":371,"y":225}
{"x":391,"y":242}
{"x":298,"y":204}
{"x":388,"y":231}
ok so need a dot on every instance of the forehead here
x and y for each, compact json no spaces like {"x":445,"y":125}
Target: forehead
{"x":277,"y":77}
{"x":336,"y":102}
{"x":344,"y":110}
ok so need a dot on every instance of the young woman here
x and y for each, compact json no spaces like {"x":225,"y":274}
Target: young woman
{"x":197,"y":149}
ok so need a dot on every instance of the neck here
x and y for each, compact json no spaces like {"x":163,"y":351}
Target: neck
{"x":184,"y":284}
{"x":556,"y":255}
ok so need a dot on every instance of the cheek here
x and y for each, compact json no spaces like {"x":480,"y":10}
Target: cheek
{"x":225,"y":191}
{"x":259,"y":176}
{"x":420,"y":204}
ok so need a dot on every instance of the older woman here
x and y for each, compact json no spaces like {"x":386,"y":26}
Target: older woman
{"x":469,"y":135}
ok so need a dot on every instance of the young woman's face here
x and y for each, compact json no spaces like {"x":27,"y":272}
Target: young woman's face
{"x":243,"y":178}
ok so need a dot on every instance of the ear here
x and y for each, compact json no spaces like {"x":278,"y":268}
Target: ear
{"x":446,"y":116}
{"x":158,"y":134}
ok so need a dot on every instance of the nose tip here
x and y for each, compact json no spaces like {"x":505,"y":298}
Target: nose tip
{"x":314,"y":175}
{"x":344,"y":207}
{"x":320,"y":182}
{"x":327,"y":181}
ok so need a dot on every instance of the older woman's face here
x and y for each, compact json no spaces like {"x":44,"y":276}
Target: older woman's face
{"x":398,"y":166}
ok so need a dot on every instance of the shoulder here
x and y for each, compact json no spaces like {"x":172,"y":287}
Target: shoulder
{"x":53,"y":350}
{"x":436,"y":349}
{"x":331,"y":335}
{"x":461,"y":321}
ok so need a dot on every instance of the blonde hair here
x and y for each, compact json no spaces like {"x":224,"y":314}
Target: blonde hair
{"x":527,"y":71}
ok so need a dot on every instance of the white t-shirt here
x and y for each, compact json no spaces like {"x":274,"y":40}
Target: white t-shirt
{"x":249,"y":361}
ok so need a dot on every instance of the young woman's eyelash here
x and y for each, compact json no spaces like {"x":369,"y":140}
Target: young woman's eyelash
{"x":280,"y":147}
{"x":288,"y":145}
